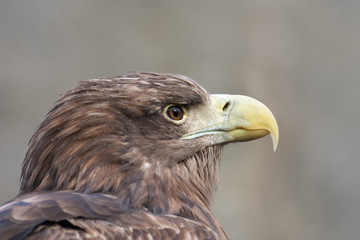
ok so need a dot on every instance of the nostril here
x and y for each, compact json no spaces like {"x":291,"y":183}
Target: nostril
{"x":226,"y":106}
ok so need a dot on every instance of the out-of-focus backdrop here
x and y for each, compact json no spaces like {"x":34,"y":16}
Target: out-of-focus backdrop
{"x":300,"y":57}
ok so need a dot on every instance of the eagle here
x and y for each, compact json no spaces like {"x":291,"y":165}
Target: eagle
{"x":130,"y":157}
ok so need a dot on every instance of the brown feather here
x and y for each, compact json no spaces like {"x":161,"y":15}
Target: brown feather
{"x":109,"y":136}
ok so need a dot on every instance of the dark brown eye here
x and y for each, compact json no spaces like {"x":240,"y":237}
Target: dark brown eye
{"x":175,"y":112}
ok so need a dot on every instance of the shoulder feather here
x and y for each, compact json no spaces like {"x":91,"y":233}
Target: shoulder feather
{"x":72,"y":215}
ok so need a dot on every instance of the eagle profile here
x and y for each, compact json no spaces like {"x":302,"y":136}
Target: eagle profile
{"x":130,"y":157}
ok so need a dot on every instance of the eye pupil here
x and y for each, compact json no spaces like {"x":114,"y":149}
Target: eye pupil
{"x":175,"y":112}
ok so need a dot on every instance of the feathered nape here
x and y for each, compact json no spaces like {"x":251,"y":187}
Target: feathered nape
{"x":198,"y":176}
{"x":201,"y":171}
{"x":190,"y":182}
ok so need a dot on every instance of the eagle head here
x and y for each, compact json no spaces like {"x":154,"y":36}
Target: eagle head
{"x":152,"y":140}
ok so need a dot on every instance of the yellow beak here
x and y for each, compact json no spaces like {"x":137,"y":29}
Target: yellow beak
{"x":234,"y":118}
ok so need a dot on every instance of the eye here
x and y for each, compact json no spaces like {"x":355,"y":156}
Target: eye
{"x":175,"y":112}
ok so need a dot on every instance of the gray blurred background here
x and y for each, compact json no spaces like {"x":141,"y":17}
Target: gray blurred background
{"x":300,"y":57}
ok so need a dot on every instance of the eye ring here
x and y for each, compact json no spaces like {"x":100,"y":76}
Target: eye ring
{"x":175,"y":113}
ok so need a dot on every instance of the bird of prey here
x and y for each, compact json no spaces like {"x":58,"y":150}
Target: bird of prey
{"x":130,"y":157}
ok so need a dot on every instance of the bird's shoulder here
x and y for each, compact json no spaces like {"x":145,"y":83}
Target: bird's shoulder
{"x":69,"y":215}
